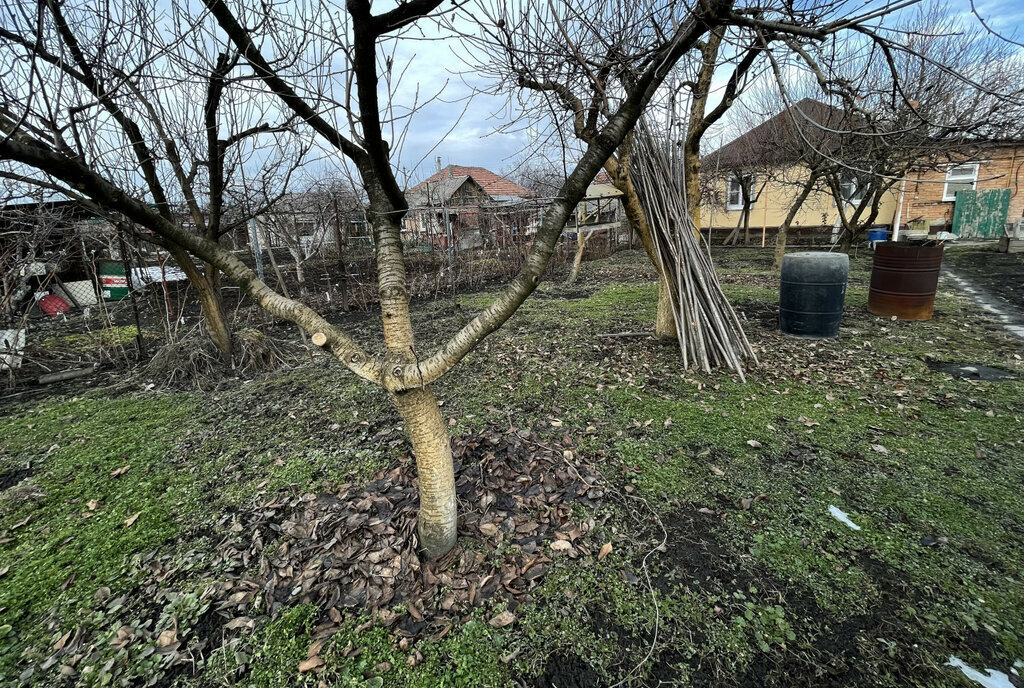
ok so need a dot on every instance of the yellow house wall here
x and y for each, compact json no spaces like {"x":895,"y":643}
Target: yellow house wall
{"x":773,"y":205}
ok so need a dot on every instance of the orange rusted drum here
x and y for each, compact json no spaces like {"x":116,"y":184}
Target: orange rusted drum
{"x":903,"y":280}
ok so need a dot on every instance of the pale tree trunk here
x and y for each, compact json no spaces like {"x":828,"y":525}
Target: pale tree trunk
{"x":432,"y":449}
{"x":665,"y":320}
{"x":581,"y":246}
{"x":300,"y":275}
{"x":437,"y":519}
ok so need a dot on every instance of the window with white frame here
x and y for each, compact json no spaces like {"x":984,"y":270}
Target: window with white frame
{"x":734,"y":191}
{"x":852,"y":188}
{"x":959,"y":178}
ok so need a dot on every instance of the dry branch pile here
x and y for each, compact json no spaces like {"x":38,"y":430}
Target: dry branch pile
{"x":193,"y":361}
{"x":708,"y":330}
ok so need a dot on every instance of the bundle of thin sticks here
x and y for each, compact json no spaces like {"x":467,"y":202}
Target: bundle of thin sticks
{"x":709,"y":333}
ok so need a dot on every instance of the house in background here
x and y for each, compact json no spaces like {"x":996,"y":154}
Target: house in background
{"x":304,"y":222}
{"x":755,"y":178}
{"x":497,"y":188}
{"x":969,"y":188}
{"x":599,"y":211}
{"x":472,"y":205}
{"x":446,"y":209}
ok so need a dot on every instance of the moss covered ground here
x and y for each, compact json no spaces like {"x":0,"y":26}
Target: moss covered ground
{"x":727,"y":567}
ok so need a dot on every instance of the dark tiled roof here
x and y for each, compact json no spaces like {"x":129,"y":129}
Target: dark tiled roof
{"x":778,"y":140}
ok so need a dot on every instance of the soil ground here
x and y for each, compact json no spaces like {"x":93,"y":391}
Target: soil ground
{"x":623,"y":522}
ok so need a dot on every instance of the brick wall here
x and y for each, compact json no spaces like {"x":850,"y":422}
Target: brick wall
{"x":998,"y":168}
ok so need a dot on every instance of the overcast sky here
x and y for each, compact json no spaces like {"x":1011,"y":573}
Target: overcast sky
{"x":475,"y":141}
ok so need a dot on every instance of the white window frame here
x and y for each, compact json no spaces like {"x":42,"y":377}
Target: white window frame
{"x":849,"y":185}
{"x":960,"y":178}
{"x":735,"y":181}
{"x":733,"y":185}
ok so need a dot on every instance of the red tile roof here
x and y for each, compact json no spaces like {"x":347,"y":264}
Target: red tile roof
{"x":493,"y":184}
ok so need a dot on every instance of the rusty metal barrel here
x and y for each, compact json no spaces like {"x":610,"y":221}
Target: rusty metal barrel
{"x":811,"y":293}
{"x":903,"y":280}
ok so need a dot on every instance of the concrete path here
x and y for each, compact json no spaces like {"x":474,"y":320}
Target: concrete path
{"x":1008,"y":317}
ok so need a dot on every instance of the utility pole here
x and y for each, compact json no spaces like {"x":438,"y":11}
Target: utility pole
{"x":447,"y":232}
{"x":341,"y":257}
{"x":257,"y":252}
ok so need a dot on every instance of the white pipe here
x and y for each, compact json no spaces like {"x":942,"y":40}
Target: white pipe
{"x":899,"y":212}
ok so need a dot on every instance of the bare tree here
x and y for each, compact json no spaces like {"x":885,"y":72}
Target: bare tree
{"x":885,"y":112}
{"x":129,"y":100}
{"x":332,"y":70}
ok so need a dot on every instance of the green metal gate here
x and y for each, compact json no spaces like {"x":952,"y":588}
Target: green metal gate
{"x":981,"y":214}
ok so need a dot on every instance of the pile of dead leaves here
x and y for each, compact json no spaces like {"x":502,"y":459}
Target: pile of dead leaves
{"x":356,"y":549}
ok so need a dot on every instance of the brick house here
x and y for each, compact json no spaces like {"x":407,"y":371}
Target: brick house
{"x":930,"y":195}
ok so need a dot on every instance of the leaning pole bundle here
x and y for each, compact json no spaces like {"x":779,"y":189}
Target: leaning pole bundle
{"x":709,"y":333}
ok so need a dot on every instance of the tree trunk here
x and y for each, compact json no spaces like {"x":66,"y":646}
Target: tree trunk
{"x":846,"y":240}
{"x":215,"y":317}
{"x":696,"y":125}
{"x":210,"y":301}
{"x":665,"y":320}
{"x":581,"y":245}
{"x":432,"y":449}
{"x":429,"y":436}
{"x":780,"y":240}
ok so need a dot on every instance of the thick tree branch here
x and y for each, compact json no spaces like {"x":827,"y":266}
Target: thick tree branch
{"x":23,"y":149}
{"x":572,"y":190}
{"x":241,"y":39}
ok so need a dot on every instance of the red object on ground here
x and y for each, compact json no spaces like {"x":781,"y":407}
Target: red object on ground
{"x":53,"y":305}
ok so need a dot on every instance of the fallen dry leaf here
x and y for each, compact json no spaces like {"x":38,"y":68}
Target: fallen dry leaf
{"x":561,"y":545}
{"x":503,"y":619}
{"x":747,"y":503}
{"x":92,"y":505}
{"x":754,"y":443}
{"x":308,"y":665}
{"x":606,"y":549}
{"x":168,"y":637}
{"x":63,"y":641}
{"x":118,"y":472}
{"x":241,"y":622}
{"x":4,"y":570}
{"x":132,"y":519}
{"x":488,"y":529}
{"x":880,"y":449}
{"x":716,"y":470}
{"x":314,"y":649}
